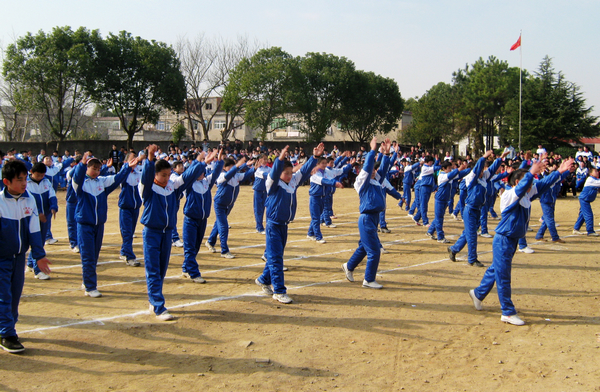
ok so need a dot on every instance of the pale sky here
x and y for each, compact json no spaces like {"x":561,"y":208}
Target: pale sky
{"x":417,"y":43}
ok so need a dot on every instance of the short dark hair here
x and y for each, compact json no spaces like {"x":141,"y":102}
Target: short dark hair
{"x":515,"y":176}
{"x":177,"y":163}
{"x":228,"y":162}
{"x":161,"y":165}
{"x":38,"y":167}
{"x":13,"y":169}
{"x":446,"y":164}
{"x":287,"y":164}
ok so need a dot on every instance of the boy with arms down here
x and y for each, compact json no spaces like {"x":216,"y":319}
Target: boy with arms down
{"x":92,"y":192}
{"x":19,"y":228}
{"x":159,"y":196}
{"x":281,"y":185}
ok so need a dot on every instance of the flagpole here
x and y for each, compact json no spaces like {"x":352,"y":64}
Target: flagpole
{"x":520,"y":85}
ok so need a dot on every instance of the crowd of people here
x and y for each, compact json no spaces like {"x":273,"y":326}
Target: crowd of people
{"x":161,"y":180}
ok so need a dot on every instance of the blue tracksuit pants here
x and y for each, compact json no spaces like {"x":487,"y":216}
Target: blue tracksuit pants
{"x":127,"y":221}
{"x":12,"y":277}
{"x":220,"y":228}
{"x":89,"y":238}
{"x":461,"y":203}
{"x":438,"y":220}
{"x":469,"y":234}
{"x":273,"y":272}
{"x":424,"y":203}
{"x":327,"y":209}
{"x":71,"y":224}
{"x":417,"y":202}
{"x":316,"y":209}
{"x":500,"y":273}
{"x":407,"y":195}
{"x":483,"y":218}
{"x":193,"y":233}
{"x":368,"y":245}
{"x":157,"y":251}
{"x":585,"y":215}
{"x":260,"y":199}
{"x":548,"y":223}
{"x":382,"y":222}
{"x":49,"y":232}
{"x":175,"y":234}
{"x":30,"y":261}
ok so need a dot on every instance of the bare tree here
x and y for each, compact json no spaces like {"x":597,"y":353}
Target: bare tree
{"x":206,"y":64}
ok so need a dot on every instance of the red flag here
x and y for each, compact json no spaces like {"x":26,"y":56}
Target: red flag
{"x":517,"y":44}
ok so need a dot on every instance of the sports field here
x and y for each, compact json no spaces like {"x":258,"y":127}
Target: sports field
{"x":420,"y":333}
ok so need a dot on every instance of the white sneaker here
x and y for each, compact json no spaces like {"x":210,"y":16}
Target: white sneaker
{"x":211,"y":248}
{"x":28,"y":269}
{"x":121,"y":257}
{"x":348,"y":273}
{"x":526,"y":250}
{"x":132,"y":262}
{"x":514,"y":320}
{"x":134,"y":236}
{"x":529,"y":228}
{"x":178,"y":243}
{"x":383,"y":251}
{"x":197,"y":279}
{"x":594,"y":234}
{"x":51,"y":241}
{"x":443,"y":241}
{"x":283,"y":298}
{"x":93,"y":294}
{"x":486,"y":235}
{"x":75,"y":249}
{"x":42,"y":276}
{"x":228,"y":255}
{"x":321,"y":241}
{"x":261,"y":232}
{"x":265,"y":287}
{"x":264,"y":258}
{"x":454,"y":216}
{"x":476,"y":301}
{"x":165,"y":316}
{"x":577,"y":232}
{"x":311,"y":237}
{"x":331,"y":226}
{"x":372,"y":285}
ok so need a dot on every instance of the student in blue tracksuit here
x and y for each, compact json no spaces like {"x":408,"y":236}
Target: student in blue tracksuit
{"x":515,"y":205}
{"x":198,"y":202}
{"x":159,"y":196}
{"x":260,"y":193}
{"x":336,"y":169}
{"x":490,"y":199}
{"x":45,"y":199}
{"x":586,"y":197}
{"x":453,"y":189}
{"x":53,"y":172}
{"x":319,"y":182}
{"x":372,"y":202}
{"x":19,"y":229}
{"x":130,"y":202}
{"x":177,"y":170}
{"x":445,"y":178}
{"x":389,"y":190}
{"x":408,"y":180}
{"x":70,"y":207}
{"x":92,"y":191}
{"x":416,"y":205}
{"x":548,"y":204}
{"x":281,"y":185}
{"x":228,"y":187}
{"x":427,"y":179}
{"x":476,"y":184}
{"x":462,"y":196}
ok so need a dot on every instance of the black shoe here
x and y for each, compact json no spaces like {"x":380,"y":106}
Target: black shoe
{"x":12,"y":345}
{"x":477,"y":263}
{"x":451,"y":254}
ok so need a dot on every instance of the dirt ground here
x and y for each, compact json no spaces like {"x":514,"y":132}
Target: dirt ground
{"x":420,"y":333}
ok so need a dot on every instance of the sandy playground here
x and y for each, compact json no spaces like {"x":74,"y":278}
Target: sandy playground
{"x":420,"y":333}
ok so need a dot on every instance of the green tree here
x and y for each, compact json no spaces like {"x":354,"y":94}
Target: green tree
{"x":261,"y":84}
{"x":135,"y":79}
{"x":554,"y":112}
{"x":433,"y":118}
{"x":372,"y":105}
{"x":178,"y":132}
{"x":48,"y":73}
{"x":320,"y":82}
